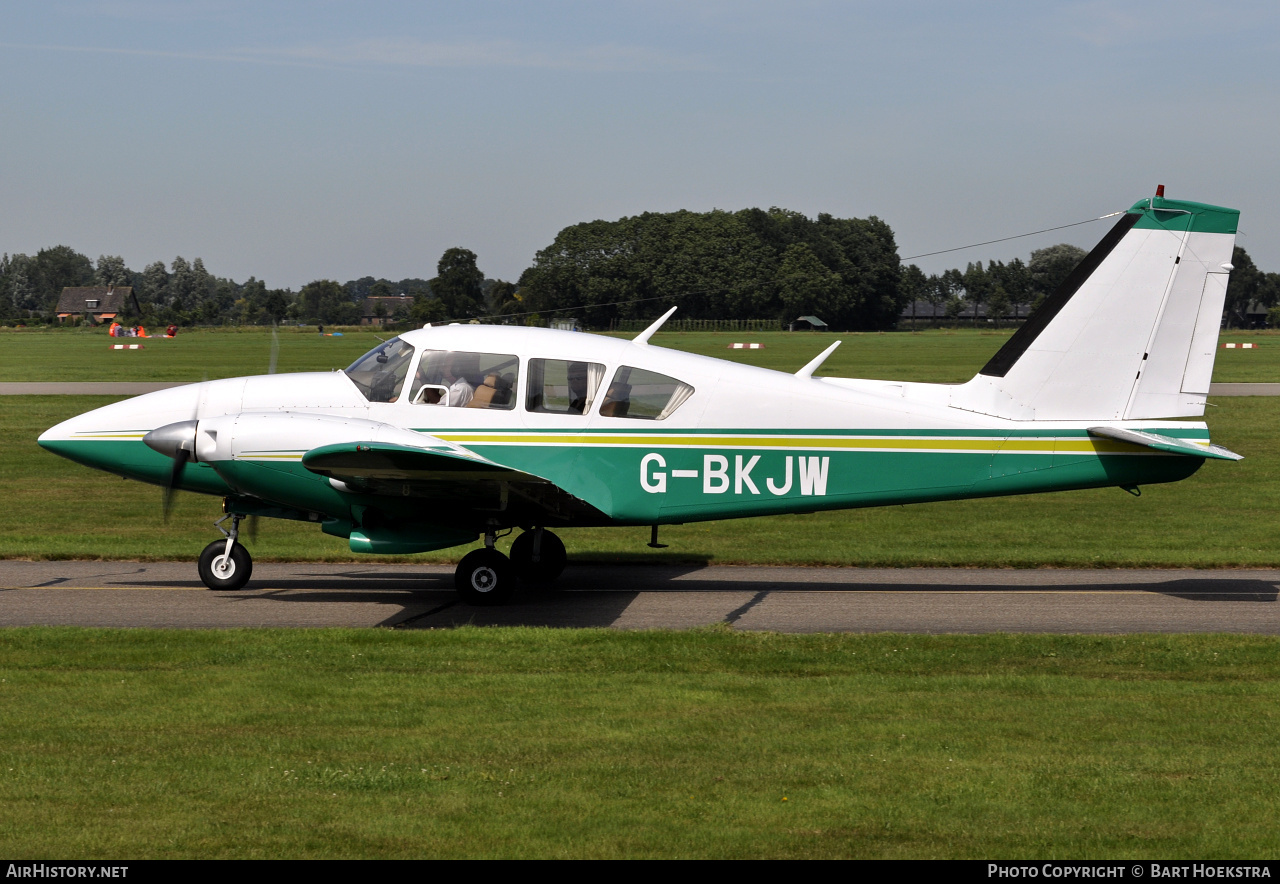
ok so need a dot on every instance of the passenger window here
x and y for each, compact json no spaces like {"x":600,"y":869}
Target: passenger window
{"x":380,"y":373}
{"x":558,"y":386}
{"x":461,"y":379}
{"x":643,"y":395}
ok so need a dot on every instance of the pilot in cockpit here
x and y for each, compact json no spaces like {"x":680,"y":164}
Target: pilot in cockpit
{"x":454,"y":375}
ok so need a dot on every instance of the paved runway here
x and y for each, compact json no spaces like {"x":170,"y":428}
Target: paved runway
{"x":168,"y":594}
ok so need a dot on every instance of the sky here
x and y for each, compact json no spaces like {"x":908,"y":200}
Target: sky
{"x":294,"y":141}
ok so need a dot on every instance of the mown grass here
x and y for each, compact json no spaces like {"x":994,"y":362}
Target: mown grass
{"x":932,"y":355}
{"x":1227,"y":515}
{"x":589,"y":743}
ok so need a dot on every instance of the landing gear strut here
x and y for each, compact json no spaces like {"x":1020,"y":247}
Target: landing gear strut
{"x":225,"y":565}
{"x":487,"y":577}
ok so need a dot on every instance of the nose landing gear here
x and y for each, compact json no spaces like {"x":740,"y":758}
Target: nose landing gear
{"x":225,"y":565}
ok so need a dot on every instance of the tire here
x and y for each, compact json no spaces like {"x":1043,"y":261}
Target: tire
{"x":484,"y":577}
{"x":551,"y":561}
{"x":238,"y":571}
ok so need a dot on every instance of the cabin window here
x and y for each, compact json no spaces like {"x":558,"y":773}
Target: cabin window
{"x":380,"y":373}
{"x":462,"y":379}
{"x":559,"y":386}
{"x":643,"y":395}
{"x":90,"y":304}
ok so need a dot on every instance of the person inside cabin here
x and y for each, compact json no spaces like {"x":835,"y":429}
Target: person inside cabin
{"x":456,"y":378}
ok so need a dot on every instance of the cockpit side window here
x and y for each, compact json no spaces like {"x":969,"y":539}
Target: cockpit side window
{"x":463,"y":379}
{"x":643,"y":395}
{"x":380,"y":373}
{"x":558,"y":386}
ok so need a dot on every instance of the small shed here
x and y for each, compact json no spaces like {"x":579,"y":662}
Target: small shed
{"x":808,"y":323}
{"x":102,"y":302}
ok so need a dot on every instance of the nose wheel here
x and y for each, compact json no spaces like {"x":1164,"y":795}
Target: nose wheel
{"x":225,"y":565}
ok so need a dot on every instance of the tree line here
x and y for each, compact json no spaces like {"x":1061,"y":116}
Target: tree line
{"x":751,"y":264}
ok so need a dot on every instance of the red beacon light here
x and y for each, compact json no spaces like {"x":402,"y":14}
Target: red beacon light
{"x":1160,"y":191}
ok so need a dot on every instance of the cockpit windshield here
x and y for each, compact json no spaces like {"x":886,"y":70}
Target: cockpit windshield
{"x":380,"y":373}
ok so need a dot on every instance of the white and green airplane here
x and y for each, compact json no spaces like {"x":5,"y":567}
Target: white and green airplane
{"x":447,"y":434}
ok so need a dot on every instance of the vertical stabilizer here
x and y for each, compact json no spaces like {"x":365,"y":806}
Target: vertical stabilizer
{"x":1132,"y":332}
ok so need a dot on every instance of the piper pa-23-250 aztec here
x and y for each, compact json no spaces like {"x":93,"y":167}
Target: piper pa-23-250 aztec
{"x":447,"y":434}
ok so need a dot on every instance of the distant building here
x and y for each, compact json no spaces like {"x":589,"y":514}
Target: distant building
{"x":926,"y":312}
{"x":101,"y":302}
{"x":565,"y":324}
{"x":391,"y":304}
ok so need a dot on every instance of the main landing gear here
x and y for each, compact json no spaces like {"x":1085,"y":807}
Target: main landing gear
{"x":487,"y":577}
{"x":226,"y":565}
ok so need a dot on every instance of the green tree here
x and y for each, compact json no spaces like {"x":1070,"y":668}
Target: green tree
{"x":457,"y":284}
{"x":1049,"y":267}
{"x":977,"y":288}
{"x":22,"y":294}
{"x":914,"y":286}
{"x":155,"y":284}
{"x":325,"y":301}
{"x":427,"y":308}
{"x":501,"y":300}
{"x":1243,"y":287}
{"x":52,"y":270}
{"x":806,"y":287}
{"x":111,"y":270}
{"x":719,"y":265}
{"x":275,"y":304}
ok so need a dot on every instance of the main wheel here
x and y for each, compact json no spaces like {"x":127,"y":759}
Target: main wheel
{"x":551,"y":558}
{"x":218,"y":571}
{"x":484,"y":577}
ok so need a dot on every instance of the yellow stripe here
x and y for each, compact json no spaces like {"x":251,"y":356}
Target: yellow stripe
{"x":1042,"y":445}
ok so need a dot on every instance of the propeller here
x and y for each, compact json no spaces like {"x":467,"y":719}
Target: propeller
{"x":178,"y":441}
{"x":275,"y":350}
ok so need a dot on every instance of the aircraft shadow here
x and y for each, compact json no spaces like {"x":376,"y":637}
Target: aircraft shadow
{"x":595,"y":595}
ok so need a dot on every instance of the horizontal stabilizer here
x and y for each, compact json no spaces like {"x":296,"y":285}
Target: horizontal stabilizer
{"x":1165,"y":443}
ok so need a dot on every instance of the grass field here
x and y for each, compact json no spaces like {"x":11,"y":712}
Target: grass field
{"x":938,"y":356}
{"x":1228,"y":514}
{"x":541,"y":743}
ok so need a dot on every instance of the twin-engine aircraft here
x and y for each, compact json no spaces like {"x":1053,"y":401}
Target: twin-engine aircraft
{"x":448,"y":434}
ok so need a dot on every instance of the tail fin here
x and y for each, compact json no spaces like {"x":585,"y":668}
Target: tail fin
{"x":1132,"y":332}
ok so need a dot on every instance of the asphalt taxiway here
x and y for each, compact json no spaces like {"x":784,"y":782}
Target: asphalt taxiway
{"x":168,"y":594}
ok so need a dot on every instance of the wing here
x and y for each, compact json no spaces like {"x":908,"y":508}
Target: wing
{"x":449,"y":474}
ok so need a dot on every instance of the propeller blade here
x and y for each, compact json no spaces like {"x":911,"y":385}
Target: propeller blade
{"x":253,"y":529}
{"x":275,"y":350}
{"x":180,"y":458}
